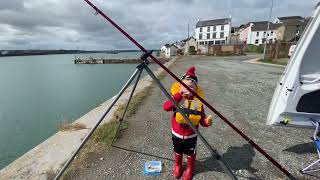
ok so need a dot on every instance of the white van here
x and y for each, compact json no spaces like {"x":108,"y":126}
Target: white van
{"x":296,"y":100}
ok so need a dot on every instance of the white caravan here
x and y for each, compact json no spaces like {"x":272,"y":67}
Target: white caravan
{"x":296,"y":100}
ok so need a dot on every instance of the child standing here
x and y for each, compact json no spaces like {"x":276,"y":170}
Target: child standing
{"x":183,"y":137}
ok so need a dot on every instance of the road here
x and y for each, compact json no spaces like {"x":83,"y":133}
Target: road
{"x":242,"y":92}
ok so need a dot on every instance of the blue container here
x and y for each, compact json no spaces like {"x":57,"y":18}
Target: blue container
{"x":152,"y":168}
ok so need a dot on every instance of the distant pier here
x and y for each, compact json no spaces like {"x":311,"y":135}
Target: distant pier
{"x":111,"y":61}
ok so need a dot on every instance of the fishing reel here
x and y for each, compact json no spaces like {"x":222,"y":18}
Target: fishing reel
{"x":144,"y":57}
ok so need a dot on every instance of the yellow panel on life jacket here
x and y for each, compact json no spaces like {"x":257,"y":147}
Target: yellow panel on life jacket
{"x":192,"y":108}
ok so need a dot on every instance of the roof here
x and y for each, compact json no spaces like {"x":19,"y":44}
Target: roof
{"x":213,"y":22}
{"x":185,"y":40}
{"x":263,"y":26}
{"x":289,"y":17}
{"x":295,"y":22}
{"x":167,"y":45}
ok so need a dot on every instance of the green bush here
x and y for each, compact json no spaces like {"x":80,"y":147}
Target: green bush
{"x":254,"y":48}
{"x":192,"y":50}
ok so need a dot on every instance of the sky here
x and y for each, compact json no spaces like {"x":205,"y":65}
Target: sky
{"x":72,"y":24}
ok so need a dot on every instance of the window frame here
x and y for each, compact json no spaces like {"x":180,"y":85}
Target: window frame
{"x":208,"y":36}
{"x":214,"y":35}
{"x":221,"y":34}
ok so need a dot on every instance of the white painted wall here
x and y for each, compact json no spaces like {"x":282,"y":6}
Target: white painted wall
{"x":252,"y":36}
{"x":169,"y":52}
{"x":213,"y":38}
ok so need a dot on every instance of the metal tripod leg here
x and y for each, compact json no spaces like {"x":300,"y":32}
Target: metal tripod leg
{"x":128,"y":103}
{"x":97,"y":124}
{"x":213,"y":152}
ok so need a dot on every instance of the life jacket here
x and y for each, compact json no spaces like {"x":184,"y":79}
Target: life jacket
{"x":192,"y":108}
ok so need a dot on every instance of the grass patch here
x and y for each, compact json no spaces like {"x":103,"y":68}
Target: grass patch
{"x":71,"y":126}
{"x":50,"y":175}
{"x":254,"y":48}
{"x":283,"y":61}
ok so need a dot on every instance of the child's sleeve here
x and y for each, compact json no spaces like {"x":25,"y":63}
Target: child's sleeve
{"x":168,"y":106}
{"x":203,"y":117}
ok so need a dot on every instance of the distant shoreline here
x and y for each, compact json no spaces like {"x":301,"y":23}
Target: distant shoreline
{"x":10,"y":53}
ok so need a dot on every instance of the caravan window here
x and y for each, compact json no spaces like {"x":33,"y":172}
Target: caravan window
{"x":309,"y":103}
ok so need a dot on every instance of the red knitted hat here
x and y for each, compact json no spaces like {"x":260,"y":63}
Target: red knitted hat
{"x":190,"y":74}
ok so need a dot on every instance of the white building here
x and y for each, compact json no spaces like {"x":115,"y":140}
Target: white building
{"x":256,"y":33}
{"x":168,"y":50}
{"x":215,"y":31}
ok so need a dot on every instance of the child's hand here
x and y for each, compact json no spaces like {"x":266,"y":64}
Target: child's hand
{"x":208,"y":120}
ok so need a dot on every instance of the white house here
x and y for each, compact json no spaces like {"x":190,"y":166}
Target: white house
{"x":168,"y":50}
{"x":256,"y":33}
{"x":190,"y":42}
{"x":216,"y":31}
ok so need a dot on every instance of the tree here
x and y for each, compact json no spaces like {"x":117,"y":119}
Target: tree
{"x":192,"y":50}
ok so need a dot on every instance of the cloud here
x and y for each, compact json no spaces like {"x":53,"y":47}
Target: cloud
{"x":56,"y":24}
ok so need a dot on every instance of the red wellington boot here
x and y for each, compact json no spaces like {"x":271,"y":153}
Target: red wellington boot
{"x":188,"y":174}
{"x":177,"y":172}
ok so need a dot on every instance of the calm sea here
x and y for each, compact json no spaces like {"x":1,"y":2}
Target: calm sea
{"x":37,"y":93}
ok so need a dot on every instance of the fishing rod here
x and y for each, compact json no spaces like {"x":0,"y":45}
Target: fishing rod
{"x":244,"y":136}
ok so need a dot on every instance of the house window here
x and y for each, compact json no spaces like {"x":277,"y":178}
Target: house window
{"x":211,"y":42}
{"x":257,"y":41}
{"x":214,"y":35}
{"x":208,"y":35}
{"x":263,"y":40}
{"x":271,"y":33}
{"x":257,"y":34}
{"x":200,"y":36}
{"x":218,"y":42}
{"x":201,"y":29}
{"x":201,"y":43}
{"x":223,"y":42}
{"x":208,"y":29}
{"x":221,"y":34}
{"x":264,"y":33}
{"x":213,"y":28}
{"x":222,"y":27}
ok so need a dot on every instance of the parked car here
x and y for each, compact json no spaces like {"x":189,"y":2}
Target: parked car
{"x":292,"y":48}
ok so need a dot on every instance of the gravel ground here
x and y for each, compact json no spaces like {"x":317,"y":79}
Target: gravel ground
{"x":242,"y":92}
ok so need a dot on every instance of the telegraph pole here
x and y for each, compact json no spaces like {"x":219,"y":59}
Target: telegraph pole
{"x":188,"y":37}
{"x":230,"y":23}
{"x":265,"y":42}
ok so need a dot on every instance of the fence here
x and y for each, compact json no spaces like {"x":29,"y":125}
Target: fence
{"x":225,"y":50}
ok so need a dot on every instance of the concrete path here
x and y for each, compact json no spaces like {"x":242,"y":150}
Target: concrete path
{"x":242,"y":92}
